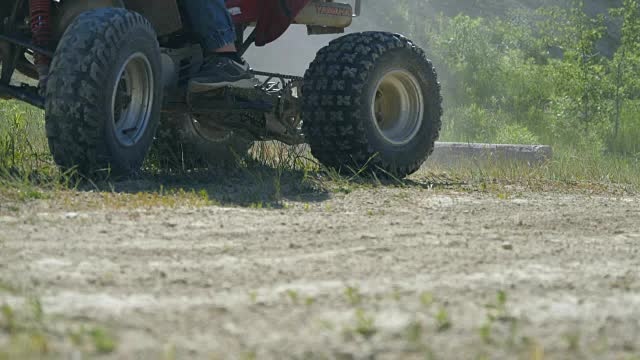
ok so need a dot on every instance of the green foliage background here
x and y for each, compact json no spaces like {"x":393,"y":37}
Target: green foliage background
{"x":532,"y":73}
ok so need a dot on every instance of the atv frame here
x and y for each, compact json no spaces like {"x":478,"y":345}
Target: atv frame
{"x":368,"y":98}
{"x":15,"y":39}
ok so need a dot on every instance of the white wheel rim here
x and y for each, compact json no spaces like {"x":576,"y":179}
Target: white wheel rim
{"x":397,"y":107}
{"x":132,"y":99}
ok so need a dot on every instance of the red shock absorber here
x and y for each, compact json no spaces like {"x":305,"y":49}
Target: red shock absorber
{"x":41,"y":33}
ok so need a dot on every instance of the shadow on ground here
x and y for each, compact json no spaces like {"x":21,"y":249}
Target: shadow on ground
{"x":262,"y":184}
{"x":241,"y":186}
{"x":247,"y":185}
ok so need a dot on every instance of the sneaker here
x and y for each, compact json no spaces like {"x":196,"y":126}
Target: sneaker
{"x":218,"y":72}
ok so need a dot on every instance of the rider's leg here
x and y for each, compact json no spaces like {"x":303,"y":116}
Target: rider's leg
{"x":223,"y":66}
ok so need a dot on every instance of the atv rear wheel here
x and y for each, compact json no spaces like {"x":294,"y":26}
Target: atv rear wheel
{"x":372,"y":100}
{"x":104,"y":93}
{"x":184,"y":143}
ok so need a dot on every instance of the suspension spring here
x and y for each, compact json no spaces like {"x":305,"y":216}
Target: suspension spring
{"x":40,"y":11}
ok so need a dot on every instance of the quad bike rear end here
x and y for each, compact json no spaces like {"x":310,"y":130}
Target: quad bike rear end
{"x":112,"y":77}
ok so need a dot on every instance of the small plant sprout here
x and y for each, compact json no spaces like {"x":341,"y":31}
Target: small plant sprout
{"x":8,"y":318}
{"x":293,"y":296}
{"x":396,"y":294}
{"x":365,"y":324}
{"x":309,"y":301}
{"x":103,"y":340}
{"x":414,"y":332}
{"x":204,"y":195}
{"x":573,"y":341}
{"x":353,"y":295}
{"x":502,"y":299}
{"x":498,"y":309}
{"x":443,"y":322}
{"x":498,"y":312}
{"x":38,"y":312}
{"x":426,"y":299}
{"x":485,"y":332}
{"x":253,"y":296}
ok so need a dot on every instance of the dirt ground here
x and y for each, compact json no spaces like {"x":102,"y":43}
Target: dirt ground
{"x":379,"y":272}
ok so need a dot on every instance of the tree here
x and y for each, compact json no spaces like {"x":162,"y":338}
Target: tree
{"x":626,"y":61}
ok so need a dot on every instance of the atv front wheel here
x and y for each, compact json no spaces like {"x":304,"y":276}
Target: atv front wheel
{"x":185,"y":143}
{"x":372,"y":100}
{"x":104,"y":93}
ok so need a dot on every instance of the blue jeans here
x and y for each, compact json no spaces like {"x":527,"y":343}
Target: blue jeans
{"x":211,"y":21}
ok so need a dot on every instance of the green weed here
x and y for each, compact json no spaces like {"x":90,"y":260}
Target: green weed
{"x":294,"y":297}
{"x":443,"y":321}
{"x":426,"y":299}
{"x":251,"y":355}
{"x":365,"y":324}
{"x":498,"y":315}
{"x":309,"y":301}
{"x":353,"y":295}
{"x":26,"y":330}
{"x":485,"y":332}
{"x":103,"y":340}
{"x":253,"y":297}
{"x":573,"y":341}
{"x":8,"y":318}
{"x":414,"y":332}
{"x":170,"y":353}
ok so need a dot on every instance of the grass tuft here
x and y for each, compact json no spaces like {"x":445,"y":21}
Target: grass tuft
{"x":443,"y":320}
{"x":365,"y":324}
{"x":103,"y":340}
{"x":353,"y":296}
{"x":275,"y":174}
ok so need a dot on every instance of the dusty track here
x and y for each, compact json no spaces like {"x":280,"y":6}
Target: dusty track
{"x":376,"y":273}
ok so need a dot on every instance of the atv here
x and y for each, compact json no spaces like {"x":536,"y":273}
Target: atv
{"x":110,"y":73}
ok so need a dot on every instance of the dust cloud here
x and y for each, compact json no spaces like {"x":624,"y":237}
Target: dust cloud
{"x":290,"y":54}
{"x":295,"y":50}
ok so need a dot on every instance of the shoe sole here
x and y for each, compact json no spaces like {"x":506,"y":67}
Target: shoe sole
{"x":198,"y":87}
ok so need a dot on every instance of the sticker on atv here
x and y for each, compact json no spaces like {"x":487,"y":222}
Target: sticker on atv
{"x":334,"y":11}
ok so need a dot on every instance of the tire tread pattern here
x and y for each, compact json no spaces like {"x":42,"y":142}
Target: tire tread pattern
{"x":334,"y":122}
{"x":74,"y":117}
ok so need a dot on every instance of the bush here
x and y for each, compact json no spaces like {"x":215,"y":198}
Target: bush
{"x":516,"y":134}
{"x":534,"y":76}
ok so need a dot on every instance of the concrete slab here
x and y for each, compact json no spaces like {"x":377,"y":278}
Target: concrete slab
{"x":465,"y":154}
